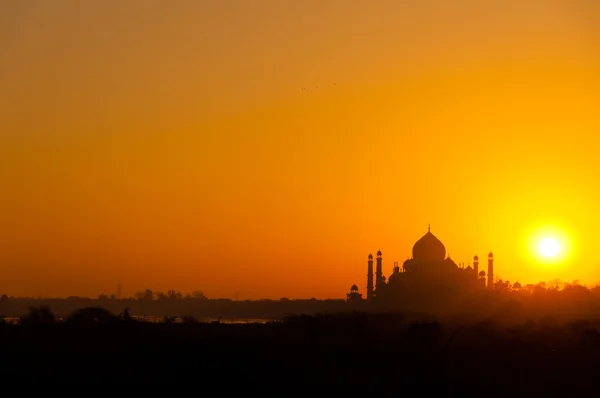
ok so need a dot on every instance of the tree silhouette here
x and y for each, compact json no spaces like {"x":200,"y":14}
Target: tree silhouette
{"x":40,"y":315}
{"x":160,"y":296}
{"x":125,"y":316}
{"x":91,"y":315}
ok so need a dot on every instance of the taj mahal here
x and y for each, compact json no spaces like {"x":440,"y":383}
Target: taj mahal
{"x":428,"y":266}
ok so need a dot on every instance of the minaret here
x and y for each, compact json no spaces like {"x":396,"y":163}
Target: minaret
{"x":370,"y":278}
{"x":379,"y":272}
{"x":476,"y":267}
{"x":490,"y":273}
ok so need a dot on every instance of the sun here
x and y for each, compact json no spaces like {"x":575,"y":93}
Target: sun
{"x":549,"y":247}
{"x":547,"y":244}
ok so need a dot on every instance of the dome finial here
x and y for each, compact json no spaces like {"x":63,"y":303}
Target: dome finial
{"x":428,"y":227}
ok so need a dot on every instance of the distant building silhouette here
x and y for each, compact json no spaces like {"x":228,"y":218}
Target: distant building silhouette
{"x":429,"y":265}
{"x":354,"y":294}
{"x":490,"y":274}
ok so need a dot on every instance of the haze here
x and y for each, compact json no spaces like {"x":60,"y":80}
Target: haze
{"x":267,"y":147}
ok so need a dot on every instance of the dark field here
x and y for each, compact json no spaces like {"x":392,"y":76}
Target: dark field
{"x":387,"y":353}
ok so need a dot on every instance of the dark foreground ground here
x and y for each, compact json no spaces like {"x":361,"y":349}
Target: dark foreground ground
{"x":348,"y":353}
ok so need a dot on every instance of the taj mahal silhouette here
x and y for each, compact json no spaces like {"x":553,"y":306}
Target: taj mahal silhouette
{"x":429,"y":266}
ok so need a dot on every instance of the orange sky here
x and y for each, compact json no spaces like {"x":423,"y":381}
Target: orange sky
{"x":267,"y":147}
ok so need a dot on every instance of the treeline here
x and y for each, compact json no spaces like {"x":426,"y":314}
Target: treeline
{"x":563,"y":300}
{"x":199,"y":308}
{"x":353,"y":352}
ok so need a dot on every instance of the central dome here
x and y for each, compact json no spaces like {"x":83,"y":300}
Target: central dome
{"x":429,"y":249}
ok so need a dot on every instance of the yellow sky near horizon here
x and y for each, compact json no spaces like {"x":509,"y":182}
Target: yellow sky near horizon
{"x":267,"y":147}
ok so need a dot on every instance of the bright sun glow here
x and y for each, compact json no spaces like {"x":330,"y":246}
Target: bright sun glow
{"x":548,"y":244}
{"x":549,"y":247}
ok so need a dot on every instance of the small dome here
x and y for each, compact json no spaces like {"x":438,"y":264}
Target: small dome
{"x":370,"y":257}
{"x":394,"y":277}
{"x":491,"y":254}
{"x":481,"y":273}
{"x":429,"y":249}
{"x":475,"y":258}
{"x":448,"y":260}
{"x":449,"y":264}
{"x":379,"y":252}
{"x":354,"y":288}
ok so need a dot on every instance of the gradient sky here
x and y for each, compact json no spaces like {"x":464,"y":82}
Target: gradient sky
{"x":267,"y":147}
